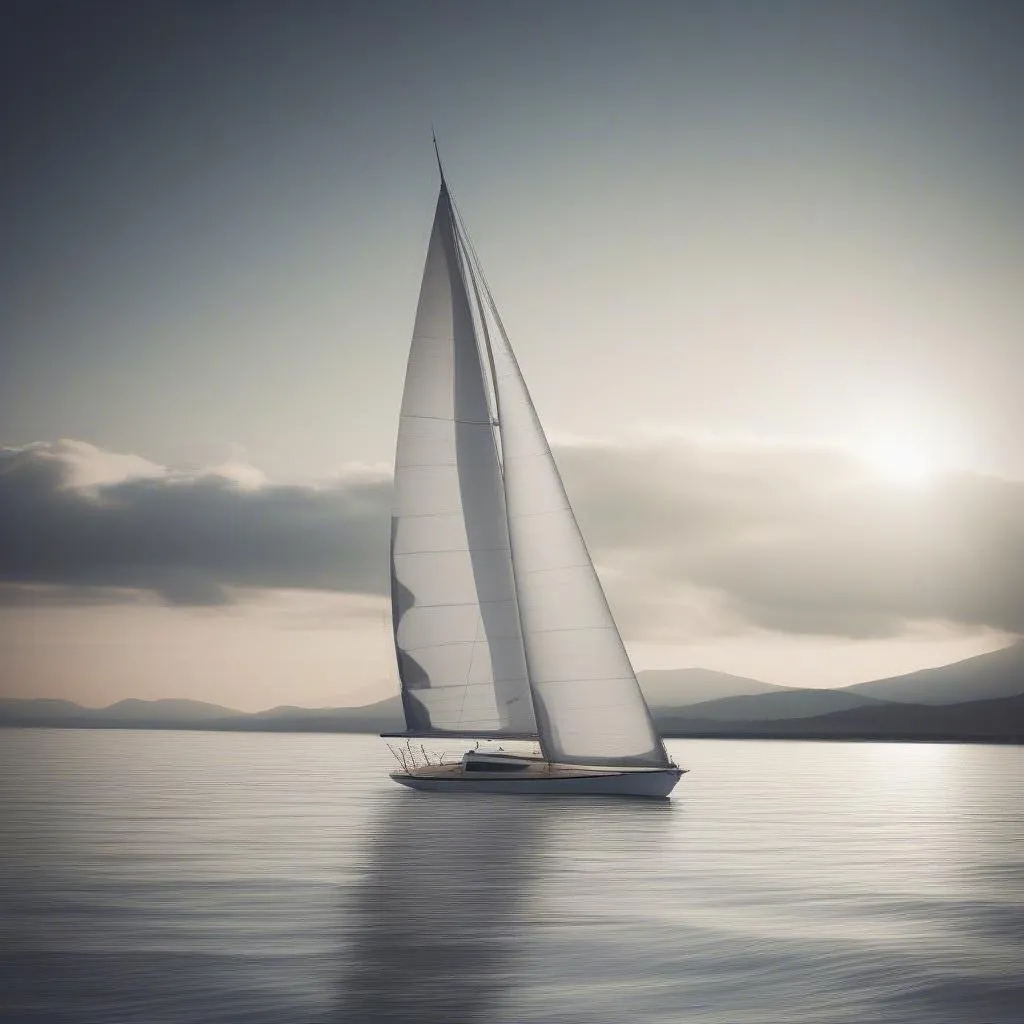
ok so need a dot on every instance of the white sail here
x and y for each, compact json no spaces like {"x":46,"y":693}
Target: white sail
{"x":588,"y":704}
{"x":456,"y":624}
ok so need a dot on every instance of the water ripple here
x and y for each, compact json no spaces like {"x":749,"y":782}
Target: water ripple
{"x":192,"y":877}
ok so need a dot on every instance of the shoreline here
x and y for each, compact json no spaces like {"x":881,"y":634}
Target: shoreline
{"x":863,"y":736}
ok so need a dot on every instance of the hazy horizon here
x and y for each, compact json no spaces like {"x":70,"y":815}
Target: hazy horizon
{"x":357,"y":702}
{"x":760,"y":264}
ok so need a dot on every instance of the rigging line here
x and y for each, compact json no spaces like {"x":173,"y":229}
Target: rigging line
{"x":476,"y":313}
{"x":481,"y":337}
{"x":469,"y":672}
{"x":492,"y":378}
{"x":464,"y":244}
{"x":479,"y":268}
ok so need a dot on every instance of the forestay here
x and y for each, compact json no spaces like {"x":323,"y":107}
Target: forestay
{"x":456,"y":624}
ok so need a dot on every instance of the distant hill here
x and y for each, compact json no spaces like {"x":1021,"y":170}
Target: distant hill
{"x":771,"y":706}
{"x":383,"y":716}
{"x":1000,"y":720}
{"x":191,"y":714}
{"x":161,"y":710}
{"x":932,"y":704}
{"x":124,"y":714}
{"x":997,"y":674}
{"x":41,"y":709}
{"x":679,"y":687}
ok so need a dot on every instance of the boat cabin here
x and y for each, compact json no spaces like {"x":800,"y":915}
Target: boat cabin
{"x":494,"y":761}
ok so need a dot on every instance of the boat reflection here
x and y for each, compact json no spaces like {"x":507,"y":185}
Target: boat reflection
{"x":433,"y":933}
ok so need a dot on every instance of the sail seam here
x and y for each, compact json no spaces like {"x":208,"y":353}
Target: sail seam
{"x":453,"y":643}
{"x":535,"y":515}
{"x":431,"y":515}
{"x":443,"y":419}
{"x":426,"y":465}
{"x":595,"y":679}
{"x":557,"y":568}
{"x":573,"y":629}
{"x":444,"y":551}
{"x":467,"y":686}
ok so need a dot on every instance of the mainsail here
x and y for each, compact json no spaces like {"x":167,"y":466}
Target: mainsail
{"x":456,"y":625}
{"x":500,"y":618}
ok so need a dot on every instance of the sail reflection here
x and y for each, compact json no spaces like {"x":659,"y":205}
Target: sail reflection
{"x":433,"y":932}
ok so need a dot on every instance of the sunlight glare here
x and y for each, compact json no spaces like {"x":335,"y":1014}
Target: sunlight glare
{"x":900,"y":462}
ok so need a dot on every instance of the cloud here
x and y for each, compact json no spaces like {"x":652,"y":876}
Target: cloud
{"x":798,"y":540}
{"x":43,"y":595}
{"x":188,"y":537}
{"x":85,"y":465}
{"x":692,"y":539}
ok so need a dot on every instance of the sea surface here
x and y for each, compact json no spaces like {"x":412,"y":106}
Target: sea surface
{"x":214,"y":877}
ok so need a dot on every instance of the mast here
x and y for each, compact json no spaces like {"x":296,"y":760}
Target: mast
{"x":437,"y":155}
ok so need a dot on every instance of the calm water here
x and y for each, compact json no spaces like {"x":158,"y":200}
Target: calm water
{"x":202,"y":877}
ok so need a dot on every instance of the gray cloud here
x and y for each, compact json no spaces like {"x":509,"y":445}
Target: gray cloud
{"x":185,"y":537}
{"x":803,"y":541}
{"x":691,"y":538}
{"x":28,"y":595}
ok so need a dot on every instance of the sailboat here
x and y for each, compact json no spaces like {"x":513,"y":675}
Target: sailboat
{"x":502,"y":629}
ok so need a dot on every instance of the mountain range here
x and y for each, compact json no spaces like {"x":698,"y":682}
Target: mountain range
{"x":981,"y":698}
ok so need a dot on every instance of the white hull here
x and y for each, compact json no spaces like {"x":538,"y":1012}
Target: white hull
{"x":644,"y":783}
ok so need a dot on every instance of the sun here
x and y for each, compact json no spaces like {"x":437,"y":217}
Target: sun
{"x":900,"y":462}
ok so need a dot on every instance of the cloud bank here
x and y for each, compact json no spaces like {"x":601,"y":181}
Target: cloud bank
{"x":690,"y":538}
{"x":807,"y":540}
{"x":186,"y":536}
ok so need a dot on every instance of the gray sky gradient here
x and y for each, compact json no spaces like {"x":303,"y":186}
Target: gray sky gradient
{"x":785,"y":219}
{"x":783,"y":225}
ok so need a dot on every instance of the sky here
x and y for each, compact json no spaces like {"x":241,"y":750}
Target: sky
{"x":761,"y":263}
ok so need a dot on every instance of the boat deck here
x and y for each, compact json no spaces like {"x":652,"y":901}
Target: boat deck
{"x":543,"y":778}
{"x":541,"y":769}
